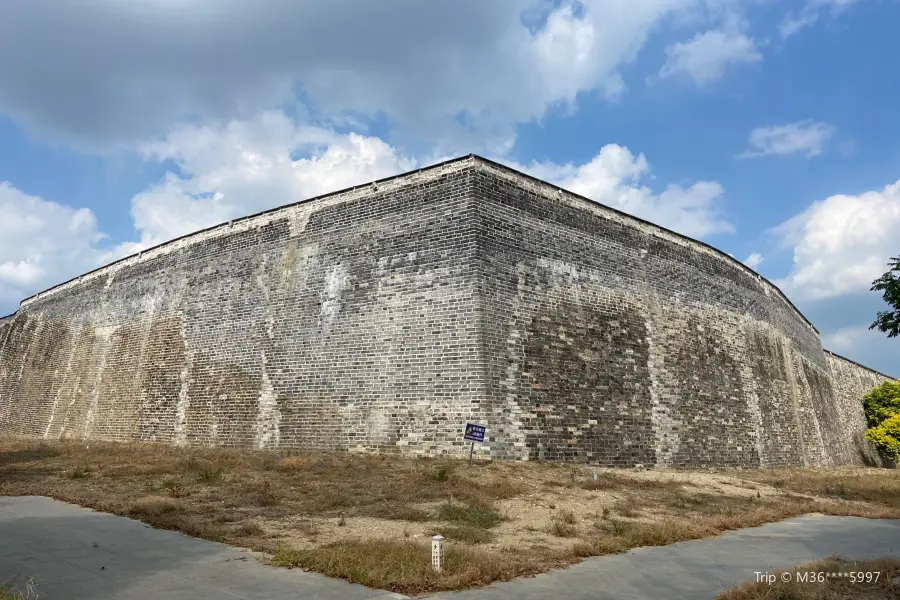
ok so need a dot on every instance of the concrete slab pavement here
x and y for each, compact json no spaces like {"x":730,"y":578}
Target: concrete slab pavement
{"x":75,"y":553}
{"x":78,"y":554}
{"x":700,"y":569}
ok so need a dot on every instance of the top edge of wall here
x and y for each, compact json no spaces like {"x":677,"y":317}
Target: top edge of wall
{"x":428,"y":173}
{"x":862,"y":366}
{"x":396,"y":181}
{"x":653,"y":228}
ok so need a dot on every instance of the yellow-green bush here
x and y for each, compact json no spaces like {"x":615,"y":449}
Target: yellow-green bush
{"x":886,"y":437}
{"x":882,"y":407}
{"x":882,"y":402}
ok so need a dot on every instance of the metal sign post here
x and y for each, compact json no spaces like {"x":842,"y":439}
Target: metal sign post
{"x":474,"y":433}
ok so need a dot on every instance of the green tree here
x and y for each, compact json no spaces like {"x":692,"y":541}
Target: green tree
{"x":882,"y":407}
{"x":888,"y":321}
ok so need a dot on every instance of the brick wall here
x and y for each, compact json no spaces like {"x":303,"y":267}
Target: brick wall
{"x":387,"y":316}
{"x":852,"y":381}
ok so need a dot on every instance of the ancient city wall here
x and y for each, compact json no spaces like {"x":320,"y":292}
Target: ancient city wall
{"x":344,"y":323}
{"x":852,"y":381}
{"x":611,"y":341}
{"x":387,"y":316}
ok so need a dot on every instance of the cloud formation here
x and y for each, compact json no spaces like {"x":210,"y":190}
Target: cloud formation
{"x":248,"y":166}
{"x":453,"y":73}
{"x":800,"y":137}
{"x":615,"y":177}
{"x":794,"y":22}
{"x":841,"y":244}
{"x":705,"y":57}
{"x":754,"y":260}
{"x":42,"y":243}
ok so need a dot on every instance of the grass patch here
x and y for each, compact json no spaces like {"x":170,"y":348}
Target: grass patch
{"x":153,"y":506}
{"x":11,"y":590}
{"x":405,"y":567}
{"x":617,"y":536}
{"x":176,"y":487}
{"x":471,"y":516}
{"x":865,"y":586}
{"x":876,"y":486}
{"x":210,"y":476}
{"x":249,"y":529}
{"x":333,"y":505}
{"x":441,"y":474}
{"x":82,"y":473}
{"x":260,"y":493}
{"x":563,"y":524}
{"x":467,"y":534}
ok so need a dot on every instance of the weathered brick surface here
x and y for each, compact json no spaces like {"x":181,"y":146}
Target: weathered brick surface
{"x":852,"y":381}
{"x":387,"y":316}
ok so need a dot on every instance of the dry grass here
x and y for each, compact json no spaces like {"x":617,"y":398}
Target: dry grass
{"x":886,"y":586}
{"x":862,"y":485}
{"x":12,"y":590}
{"x":405,"y":567}
{"x":367,"y":518}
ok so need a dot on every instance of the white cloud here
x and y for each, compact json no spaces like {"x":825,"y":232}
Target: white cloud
{"x":803,"y":137}
{"x":705,"y":57}
{"x":841,"y":244}
{"x":41,"y":243}
{"x":459,"y":73}
{"x":248,"y":166}
{"x":613,"y":177}
{"x":793,"y":22}
{"x":754,"y":260}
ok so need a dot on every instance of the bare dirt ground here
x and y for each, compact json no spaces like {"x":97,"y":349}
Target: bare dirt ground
{"x":368,"y":518}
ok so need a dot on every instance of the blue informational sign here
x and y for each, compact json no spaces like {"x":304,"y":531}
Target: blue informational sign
{"x":474,"y":433}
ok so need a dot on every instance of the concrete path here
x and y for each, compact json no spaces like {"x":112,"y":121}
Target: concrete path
{"x":75,"y":553}
{"x":700,"y":569}
{"x":78,"y":554}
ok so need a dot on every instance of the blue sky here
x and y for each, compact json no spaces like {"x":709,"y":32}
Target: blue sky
{"x":766,"y":128}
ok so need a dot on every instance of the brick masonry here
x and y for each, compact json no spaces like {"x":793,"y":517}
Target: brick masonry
{"x":384,"y":317}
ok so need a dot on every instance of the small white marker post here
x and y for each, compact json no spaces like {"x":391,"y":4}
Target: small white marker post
{"x":437,"y":553}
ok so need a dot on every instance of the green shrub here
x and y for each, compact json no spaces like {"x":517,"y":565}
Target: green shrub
{"x":886,"y":437}
{"x":882,"y":406}
{"x":882,"y":403}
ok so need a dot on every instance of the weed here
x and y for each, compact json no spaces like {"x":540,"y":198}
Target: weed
{"x":152,"y":507}
{"x":405,"y":567}
{"x":210,"y":476}
{"x":566,"y":516}
{"x":467,"y":534}
{"x":249,"y":529}
{"x":9,"y":591}
{"x":262,"y":494}
{"x":293,"y":463}
{"x":562,"y":529}
{"x":473,"y":516}
{"x":442,"y":474}
{"x":176,"y":488}
{"x":82,"y":473}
